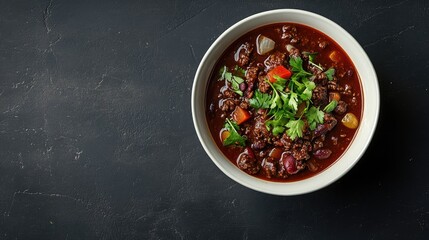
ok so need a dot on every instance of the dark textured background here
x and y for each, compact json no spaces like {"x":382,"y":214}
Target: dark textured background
{"x":97,"y":140}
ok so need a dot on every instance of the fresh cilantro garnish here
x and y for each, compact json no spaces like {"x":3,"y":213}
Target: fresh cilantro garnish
{"x":280,"y":83}
{"x":276,"y":100}
{"x":260,"y":100}
{"x":308,"y":91}
{"x":293,"y":101}
{"x":278,"y":121}
{"x":330,"y":73}
{"x":296,"y":64}
{"x":295,"y":128}
{"x":283,"y":102}
{"x":314,"y":116}
{"x":234,"y":137}
{"x":234,"y":80}
{"x":284,"y":105}
{"x":331,"y":106}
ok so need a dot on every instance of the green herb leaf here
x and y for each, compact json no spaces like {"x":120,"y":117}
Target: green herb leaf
{"x":280,"y":83}
{"x":314,"y":116}
{"x":293,"y":101}
{"x":234,"y":137}
{"x":296,"y":64}
{"x":234,"y":80}
{"x":308,"y":91}
{"x":331,"y":106}
{"x":295,"y":128}
{"x":260,"y":100}
{"x":330,"y":73}
{"x":278,"y":121}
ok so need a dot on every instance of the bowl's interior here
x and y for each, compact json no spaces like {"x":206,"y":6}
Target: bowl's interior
{"x":369,"y":90}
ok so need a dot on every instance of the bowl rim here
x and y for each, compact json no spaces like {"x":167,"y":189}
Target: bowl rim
{"x":365,"y":132}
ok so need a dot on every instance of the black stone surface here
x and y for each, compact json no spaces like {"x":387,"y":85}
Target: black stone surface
{"x":97,"y":140}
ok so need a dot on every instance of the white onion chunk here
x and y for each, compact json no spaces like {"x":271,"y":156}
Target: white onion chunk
{"x":264,"y":44}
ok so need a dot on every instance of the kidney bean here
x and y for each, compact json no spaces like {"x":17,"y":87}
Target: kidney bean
{"x":322,"y":153}
{"x":289,"y":163}
{"x":320,"y":130}
{"x":243,"y":86}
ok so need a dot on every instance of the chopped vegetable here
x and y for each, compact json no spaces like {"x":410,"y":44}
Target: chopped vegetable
{"x":234,"y":80}
{"x":334,"y":96}
{"x":234,"y":137}
{"x":224,"y":134}
{"x":335,"y":56}
{"x":330,"y":74}
{"x":279,"y":71}
{"x":275,"y":153}
{"x":264,"y":44}
{"x":289,"y":48}
{"x":350,"y":120}
{"x":240,"y":115}
{"x":331,"y":106}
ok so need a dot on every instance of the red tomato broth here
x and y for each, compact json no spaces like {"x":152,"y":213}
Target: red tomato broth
{"x":216,"y":123}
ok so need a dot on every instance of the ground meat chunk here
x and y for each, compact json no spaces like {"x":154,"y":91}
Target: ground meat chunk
{"x":334,"y":86}
{"x":252,"y":74}
{"x":244,"y":104}
{"x":286,"y":141}
{"x":323,"y":44}
{"x":248,"y":164}
{"x":228,"y":93}
{"x":227,"y":104}
{"x":301,"y":149}
{"x":258,"y":144}
{"x":320,"y":96}
{"x":321,"y":79}
{"x":263,"y":86}
{"x":242,"y":56}
{"x":290,"y":33}
{"x":269,"y":166}
{"x":314,"y":70}
{"x":293,"y":51}
{"x":341,"y":107}
{"x":274,"y":60}
{"x":260,"y":130}
{"x":318,"y":143}
{"x":281,"y":169}
{"x":330,"y":120}
{"x":251,"y":77}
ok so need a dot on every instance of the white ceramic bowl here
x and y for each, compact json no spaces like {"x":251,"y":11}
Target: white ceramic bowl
{"x":371,"y":101}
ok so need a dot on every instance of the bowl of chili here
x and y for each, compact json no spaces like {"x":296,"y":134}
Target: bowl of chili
{"x":285,"y":102}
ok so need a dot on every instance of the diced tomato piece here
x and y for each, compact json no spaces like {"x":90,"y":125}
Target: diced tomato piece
{"x":240,"y":115}
{"x":279,"y":71}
